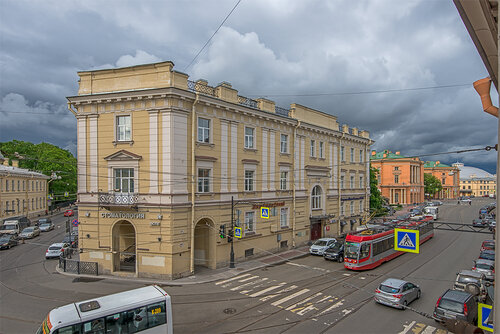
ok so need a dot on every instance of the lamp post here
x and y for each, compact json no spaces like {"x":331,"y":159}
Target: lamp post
{"x":53,"y":176}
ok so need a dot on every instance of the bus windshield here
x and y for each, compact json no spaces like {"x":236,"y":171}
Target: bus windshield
{"x":351,"y":250}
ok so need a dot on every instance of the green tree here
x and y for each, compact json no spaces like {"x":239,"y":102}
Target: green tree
{"x":375,"y":195}
{"x":46,"y":159}
{"x":432,"y":184}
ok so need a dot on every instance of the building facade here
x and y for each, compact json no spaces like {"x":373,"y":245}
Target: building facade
{"x":161,"y":158}
{"x":475,"y":181}
{"x":400,"y":179}
{"x":22,"y":192}
{"x":449,"y":177}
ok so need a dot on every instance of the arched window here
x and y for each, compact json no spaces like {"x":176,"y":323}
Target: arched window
{"x":316,"y":197}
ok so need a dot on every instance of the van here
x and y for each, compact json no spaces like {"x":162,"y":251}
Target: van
{"x":432,"y":211}
{"x":14,"y":225}
{"x":473,"y":282}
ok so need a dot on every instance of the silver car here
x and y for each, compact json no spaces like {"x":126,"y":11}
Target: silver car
{"x":487,"y":267}
{"x":29,"y":232}
{"x":320,"y":245}
{"x":397,"y":293}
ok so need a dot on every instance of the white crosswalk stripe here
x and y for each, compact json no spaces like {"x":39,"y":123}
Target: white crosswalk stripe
{"x":280,"y":292}
{"x":287,"y":298}
{"x":271,"y":288}
{"x":232,"y":279}
{"x":239,"y":287}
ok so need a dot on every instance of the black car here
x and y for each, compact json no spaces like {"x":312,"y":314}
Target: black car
{"x":487,"y":255}
{"x":72,"y":240}
{"x":8,"y":240}
{"x":454,"y":305}
{"x":335,"y":252}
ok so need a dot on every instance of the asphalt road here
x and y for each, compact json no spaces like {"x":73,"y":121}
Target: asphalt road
{"x":307,"y":295}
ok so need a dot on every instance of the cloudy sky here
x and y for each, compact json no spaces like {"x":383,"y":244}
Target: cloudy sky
{"x":335,"y":56}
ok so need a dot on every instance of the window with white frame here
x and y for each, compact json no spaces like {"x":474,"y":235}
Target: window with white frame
{"x":203,"y":130}
{"x":352,"y":154}
{"x":124,"y":180}
{"x":351,"y":183}
{"x":361,"y":185}
{"x":249,"y":137}
{"x":284,"y":144}
{"x":123,"y":128}
{"x":321,"y":149}
{"x":361,"y":206}
{"x":203,"y":180}
{"x":351,"y":205}
{"x":249,"y":221}
{"x":284,"y":217}
{"x":342,"y":183}
{"x":7,"y":206}
{"x":316,"y":197}
{"x":342,"y":153}
{"x":7,"y":185}
{"x":313,"y":148}
{"x":284,"y":180}
{"x":360,"y":155}
{"x":342,"y":209}
{"x":249,"y":180}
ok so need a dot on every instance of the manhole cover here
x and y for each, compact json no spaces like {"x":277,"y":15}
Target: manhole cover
{"x":229,"y":310}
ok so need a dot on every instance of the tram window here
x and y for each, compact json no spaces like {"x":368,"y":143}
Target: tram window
{"x":95,"y":326}
{"x":137,"y":320}
{"x":365,"y":251}
{"x":156,"y":314}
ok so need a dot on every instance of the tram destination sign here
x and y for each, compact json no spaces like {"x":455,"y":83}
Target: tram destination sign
{"x":406,"y":240}
{"x":126,"y":215}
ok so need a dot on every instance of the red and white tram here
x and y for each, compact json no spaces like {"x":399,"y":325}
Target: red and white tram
{"x":370,"y":248}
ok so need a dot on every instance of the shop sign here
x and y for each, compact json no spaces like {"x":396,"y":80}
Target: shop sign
{"x":268,"y":205}
{"x":126,"y":215}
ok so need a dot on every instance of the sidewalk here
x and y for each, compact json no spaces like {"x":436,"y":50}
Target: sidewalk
{"x":206,"y":275}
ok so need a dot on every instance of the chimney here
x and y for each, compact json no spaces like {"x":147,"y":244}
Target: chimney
{"x":15,"y":163}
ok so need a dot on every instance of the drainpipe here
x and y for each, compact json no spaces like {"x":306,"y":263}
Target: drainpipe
{"x":293,"y":183}
{"x":339,"y":162}
{"x":482,"y":87}
{"x":193,"y":173}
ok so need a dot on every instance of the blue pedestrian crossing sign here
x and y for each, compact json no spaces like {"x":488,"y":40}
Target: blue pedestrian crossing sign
{"x":406,"y":240}
{"x":264,"y":212}
{"x":237,"y":232}
{"x":483,"y":321}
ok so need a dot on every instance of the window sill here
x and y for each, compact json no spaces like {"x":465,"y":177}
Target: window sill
{"x":317,"y":209}
{"x":249,"y":235}
{"x":322,"y":158}
{"x":117,"y":142}
{"x":285,"y":154}
{"x":249,"y":149}
{"x":199,"y":143}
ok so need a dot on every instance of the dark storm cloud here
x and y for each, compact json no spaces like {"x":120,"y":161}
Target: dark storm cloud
{"x":266,"y":48}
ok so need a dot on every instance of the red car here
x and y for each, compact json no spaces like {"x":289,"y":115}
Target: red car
{"x":68,"y":213}
{"x":488,"y":245}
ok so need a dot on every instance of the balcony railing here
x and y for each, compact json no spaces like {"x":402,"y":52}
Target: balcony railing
{"x":281,"y":111}
{"x":247,"y":102}
{"x":200,"y":88}
{"x":121,"y":199}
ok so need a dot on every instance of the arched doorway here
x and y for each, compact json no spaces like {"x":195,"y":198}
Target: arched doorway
{"x":124,"y":247}
{"x":204,"y":252}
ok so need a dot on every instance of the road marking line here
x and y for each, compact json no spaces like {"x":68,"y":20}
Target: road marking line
{"x":407,"y":327}
{"x":420,"y":326}
{"x":248,"y":284}
{"x":429,"y":330}
{"x":287,"y":298}
{"x":307,"y":309}
{"x":232,"y":279}
{"x":248,"y":279}
{"x":303,"y":301}
{"x":337,"y":304}
{"x":323,"y":299}
{"x":290,"y":288}
{"x":261,"y":292}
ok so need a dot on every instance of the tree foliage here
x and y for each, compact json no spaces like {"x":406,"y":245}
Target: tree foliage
{"x":432,"y":184}
{"x":46,"y":159}
{"x":375,"y":195}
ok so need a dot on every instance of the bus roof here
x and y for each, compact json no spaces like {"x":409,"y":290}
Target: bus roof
{"x":70,"y":314}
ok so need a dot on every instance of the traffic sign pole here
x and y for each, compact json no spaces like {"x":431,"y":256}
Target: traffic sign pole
{"x":231,"y":257}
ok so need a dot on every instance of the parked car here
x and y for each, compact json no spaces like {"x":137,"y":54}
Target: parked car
{"x":479,"y":223}
{"x":69,"y":213}
{"x":29,"y":232}
{"x":335,"y":252}
{"x":320,"y":245}
{"x":397,"y":293}
{"x":488,"y":245}
{"x":42,"y":221}
{"x":493,"y":225}
{"x":438,"y":203}
{"x":8,"y":240}
{"x":71,"y":240}
{"x":487,"y":255}
{"x":487,"y":267}
{"x":45,"y":227}
{"x":455,"y":304}
{"x":14,"y":225}
{"x":55,"y":250}
{"x":472,"y":282}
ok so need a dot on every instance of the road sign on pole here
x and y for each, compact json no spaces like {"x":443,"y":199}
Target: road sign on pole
{"x":237,"y":232}
{"x":264,"y":212}
{"x":483,"y":318}
{"x":75,"y":222}
{"x":406,"y":240}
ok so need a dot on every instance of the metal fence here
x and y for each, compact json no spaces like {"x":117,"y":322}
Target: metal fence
{"x":76,"y":266}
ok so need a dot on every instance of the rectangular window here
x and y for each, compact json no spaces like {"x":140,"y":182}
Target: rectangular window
{"x":321,"y":149}
{"x":249,"y":180}
{"x":124,"y":180}
{"x":342,"y":153}
{"x":342,"y":209}
{"x":123,"y":128}
{"x":342,"y":185}
{"x":284,"y":217}
{"x":284,"y":144}
{"x":249,"y":137}
{"x":203,"y":130}
{"x":396,"y":178}
{"x":351,"y":205}
{"x":360,"y":155}
{"x":313,"y":148}
{"x":352,"y":182}
{"x":7,"y":185}
{"x":361,"y":206}
{"x":361,"y":185}
{"x":249,"y":221}
{"x":396,"y":168}
{"x":203,"y":180}
{"x":284,"y":180}
{"x":352,"y":155}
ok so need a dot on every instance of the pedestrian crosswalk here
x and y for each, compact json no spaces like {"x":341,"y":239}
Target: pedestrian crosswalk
{"x":421,"y":328}
{"x":283,"y":295}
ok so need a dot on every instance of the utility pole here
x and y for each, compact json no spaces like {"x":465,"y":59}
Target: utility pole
{"x":231,"y":261}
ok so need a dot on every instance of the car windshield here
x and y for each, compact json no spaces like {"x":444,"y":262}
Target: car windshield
{"x":28,"y":230}
{"x":451,"y":305}
{"x":45,"y":225}
{"x":42,"y":221}
{"x":487,"y":256}
{"x":490,"y":245}
{"x":484,"y":266}
{"x":335,"y":248}
{"x":320,"y":243}
{"x":467,"y":279}
{"x":351,"y":250}
{"x":4,"y":239}
{"x":8,"y":227}
{"x":55,"y":247}
{"x":388,"y":289}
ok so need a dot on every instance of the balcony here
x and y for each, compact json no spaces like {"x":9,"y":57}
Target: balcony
{"x":118,"y":199}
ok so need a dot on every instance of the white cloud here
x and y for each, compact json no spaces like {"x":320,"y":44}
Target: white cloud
{"x":141,"y":57}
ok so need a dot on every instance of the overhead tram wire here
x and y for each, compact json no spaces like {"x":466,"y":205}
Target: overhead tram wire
{"x":217,"y":30}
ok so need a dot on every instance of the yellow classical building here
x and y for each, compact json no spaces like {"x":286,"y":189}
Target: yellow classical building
{"x":22,"y":192}
{"x":476,"y":182}
{"x":161,"y":157}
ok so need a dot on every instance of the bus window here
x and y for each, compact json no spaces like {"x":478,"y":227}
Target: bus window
{"x":365,"y":251}
{"x":115,"y":324}
{"x":95,"y":326}
{"x":73,"y":329}
{"x":156,"y":314}
{"x":137,"y":320}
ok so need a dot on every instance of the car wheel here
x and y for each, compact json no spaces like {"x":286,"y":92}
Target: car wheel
{"x":405,"y":303}
{"x":418,"y":294}
{"x":341,"y":259}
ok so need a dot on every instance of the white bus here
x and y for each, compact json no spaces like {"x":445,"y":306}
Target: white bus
{"x":145,"y":310}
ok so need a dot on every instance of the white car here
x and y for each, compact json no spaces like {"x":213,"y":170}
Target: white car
{"x":55,"y":250}
{"x":320,"y":245}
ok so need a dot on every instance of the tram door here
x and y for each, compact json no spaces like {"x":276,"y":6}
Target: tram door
{"x":315,"y":231}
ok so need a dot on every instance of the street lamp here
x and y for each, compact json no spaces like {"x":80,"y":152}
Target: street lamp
{"x":53,"y":176}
